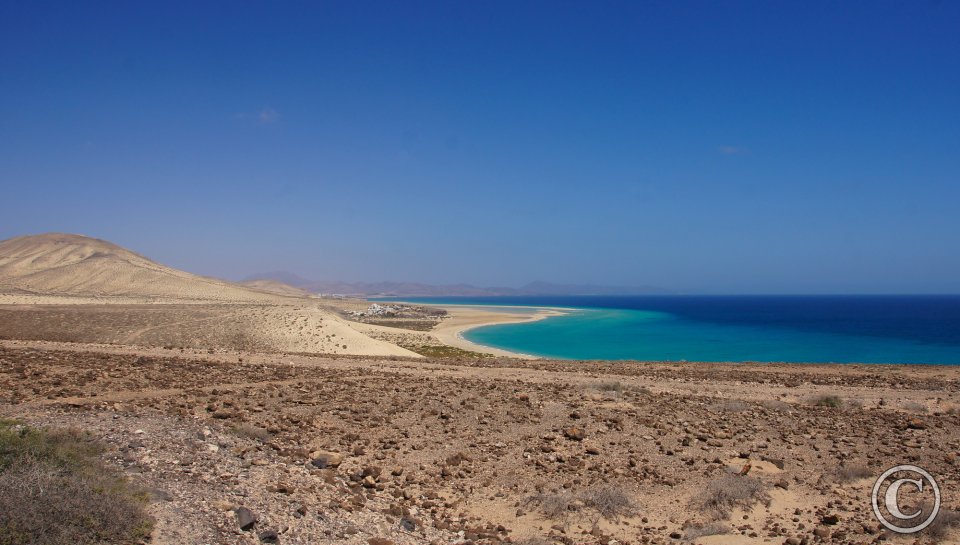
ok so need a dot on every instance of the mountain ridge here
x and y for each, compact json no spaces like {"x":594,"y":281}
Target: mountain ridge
{"x":387,"y":288}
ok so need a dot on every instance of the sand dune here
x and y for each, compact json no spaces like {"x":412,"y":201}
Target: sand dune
{"x":76,"y":265}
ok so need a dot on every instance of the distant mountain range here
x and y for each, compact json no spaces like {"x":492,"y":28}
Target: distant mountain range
{"x":450,"y":290}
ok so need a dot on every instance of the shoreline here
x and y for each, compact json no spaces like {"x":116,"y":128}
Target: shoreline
{"x":462,"y":318}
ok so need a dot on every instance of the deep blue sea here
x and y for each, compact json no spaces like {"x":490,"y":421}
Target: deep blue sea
{"x":841,"y":329}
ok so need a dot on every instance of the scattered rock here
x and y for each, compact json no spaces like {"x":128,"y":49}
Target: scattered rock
{"x":246,"y":518}
{"x":574,"y":433}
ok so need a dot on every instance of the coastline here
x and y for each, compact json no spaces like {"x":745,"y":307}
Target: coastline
{"x":462,"y":318}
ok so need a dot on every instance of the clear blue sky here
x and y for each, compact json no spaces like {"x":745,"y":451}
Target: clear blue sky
{"x":725,"y":147}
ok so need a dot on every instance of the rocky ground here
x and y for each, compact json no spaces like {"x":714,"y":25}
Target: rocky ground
{"x":252,"y":447}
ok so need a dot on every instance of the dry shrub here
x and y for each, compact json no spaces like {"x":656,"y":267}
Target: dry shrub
{"x":827,"y":401}
{"x":733,"y":406}
{"x":777,"y":405}
{"x":915,"y":407}
{"x":940,"y":528}
{"x":606,"y":500}
{"x":610,"y":501}
{"x":853,"y":404}
{"x":55,"y":491}
{"x":731,"y":491}
{"x":702,"y":530}
{"x":609,"y":386}
{"x":853,"y":473}
{"x":67,"y":448}
{"x":249,"y":431}
{"x":553,"y":506}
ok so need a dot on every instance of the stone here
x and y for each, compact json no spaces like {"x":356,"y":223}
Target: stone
{"x":916,"y":424}
{"x":779,"y":463}
{"x":269,"y":536}
{"x":323,"y":460}
{"x":245,"y":518}
{"x":574,"y":433}
{"x":223,"y":505}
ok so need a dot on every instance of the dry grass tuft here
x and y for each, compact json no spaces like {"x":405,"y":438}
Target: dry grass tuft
{"x":55,"y":491}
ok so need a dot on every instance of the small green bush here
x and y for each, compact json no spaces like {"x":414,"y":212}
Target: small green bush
{"x":55,"y":491}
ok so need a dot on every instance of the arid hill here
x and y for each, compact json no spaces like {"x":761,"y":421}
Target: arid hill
{"x":274,"y":286}
{"x":76,"y":265}
{"x":111,"y":295}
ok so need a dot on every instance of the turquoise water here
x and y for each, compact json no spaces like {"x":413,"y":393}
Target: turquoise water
{"x":647,"y":335}
{"x":837,"y":329}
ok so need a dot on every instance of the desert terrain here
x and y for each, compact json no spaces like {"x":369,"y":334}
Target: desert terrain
{"x":352,"y":449}
{"x":257,"y":414}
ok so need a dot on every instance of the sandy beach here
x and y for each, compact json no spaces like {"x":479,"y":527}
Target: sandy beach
{"x":463,"y":318}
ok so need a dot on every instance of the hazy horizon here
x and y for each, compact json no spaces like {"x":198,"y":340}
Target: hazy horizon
{"x":742,"y":148}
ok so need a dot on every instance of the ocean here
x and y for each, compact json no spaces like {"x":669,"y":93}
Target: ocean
{"x":813,"y":329}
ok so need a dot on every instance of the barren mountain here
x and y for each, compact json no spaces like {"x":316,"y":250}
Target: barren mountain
{"x":274,"y":286}
{"x":76,"y":265}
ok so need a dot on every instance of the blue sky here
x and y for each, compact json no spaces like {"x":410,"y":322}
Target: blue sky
{"x":721,"y":147}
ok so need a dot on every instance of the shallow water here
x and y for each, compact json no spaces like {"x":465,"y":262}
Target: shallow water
{"x":868,"y":329}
